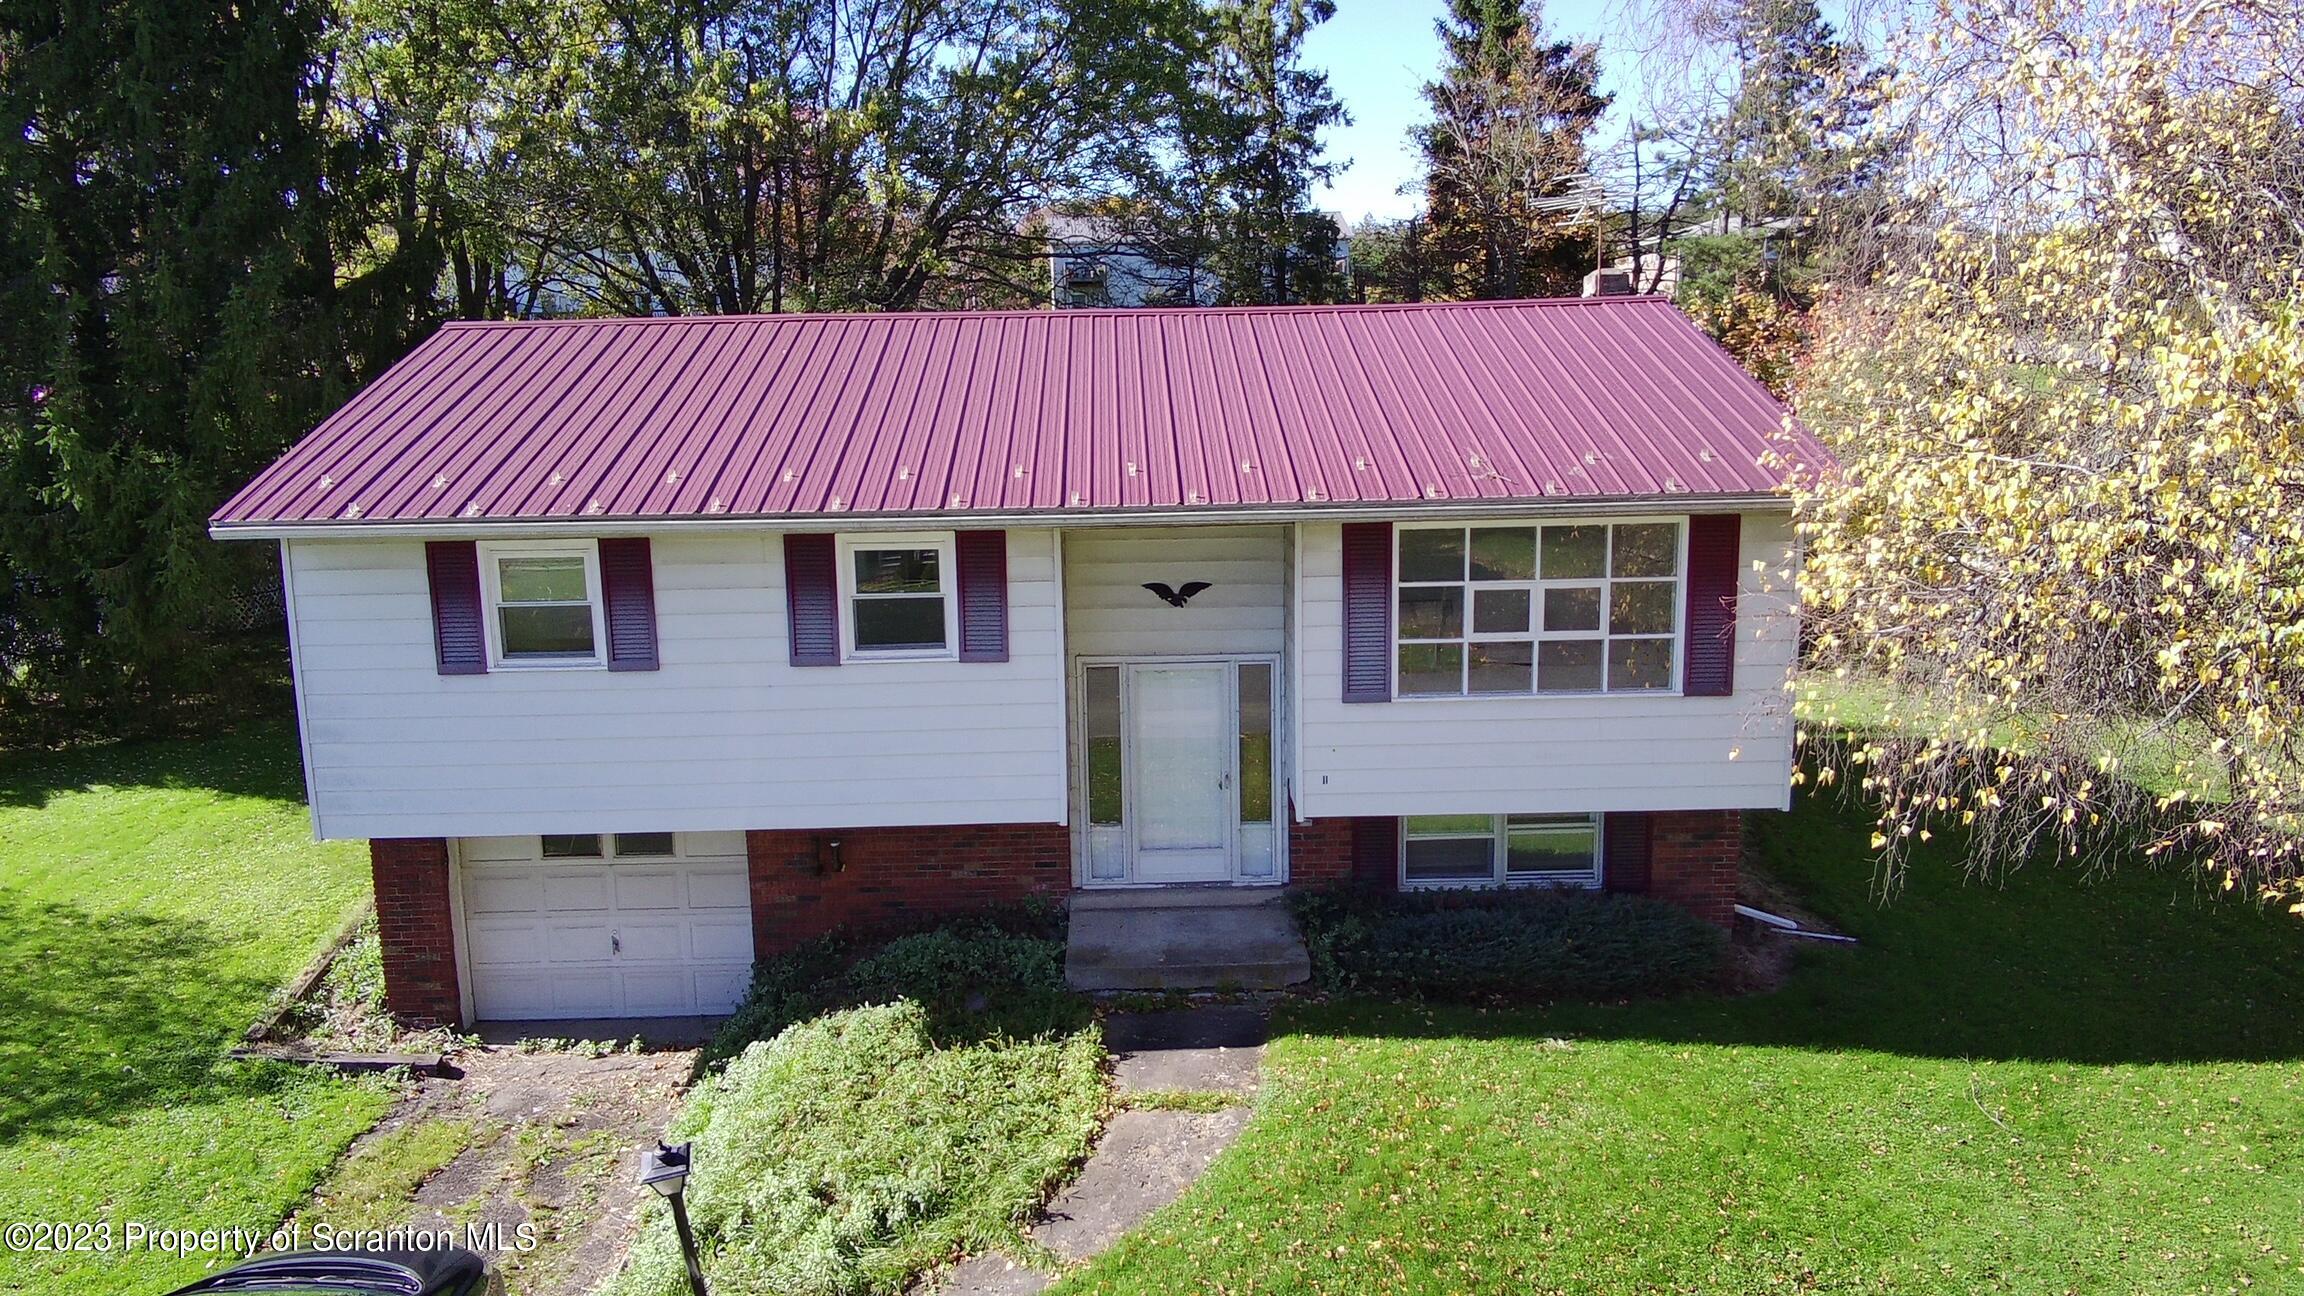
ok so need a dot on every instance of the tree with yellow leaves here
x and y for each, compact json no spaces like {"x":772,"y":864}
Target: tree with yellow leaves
{"x":2067,"y":528}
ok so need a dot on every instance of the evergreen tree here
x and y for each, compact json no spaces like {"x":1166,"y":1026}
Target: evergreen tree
{"x":169,"y":316}
{"x":1266,"y":110}
{"x":1504,"y":152}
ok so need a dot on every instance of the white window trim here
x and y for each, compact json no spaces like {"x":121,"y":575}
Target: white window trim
{"x":1677,"y":637}
{"x":1499,"y":855}
{"x":947,"y":577}
{"x":491,"y":596}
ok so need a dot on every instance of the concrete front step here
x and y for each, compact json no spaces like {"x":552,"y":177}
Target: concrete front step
{"x":1196,"y":939}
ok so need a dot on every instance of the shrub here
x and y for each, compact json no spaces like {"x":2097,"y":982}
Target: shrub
{"x":1000,"y":972}
{"x":851,"y":1153}
{"x":1510,"y":944}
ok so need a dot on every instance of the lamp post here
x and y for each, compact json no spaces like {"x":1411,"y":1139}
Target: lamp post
{"x":667,"y":1173}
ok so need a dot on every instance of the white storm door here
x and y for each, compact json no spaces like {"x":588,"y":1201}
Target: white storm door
{"x":1180,"y":772}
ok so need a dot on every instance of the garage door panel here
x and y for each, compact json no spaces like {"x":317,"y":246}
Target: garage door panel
{"x":719,"y":888}
{"x":584,"y":992}
{"x":569,"y":942}
{"x":503,"y":890}
{"x":719,"y":990}
{"x":498,"y":942}
{"x":657,"y":993}
{"x":721,"y":940}
{"x":652,"y":940}
{"x":653,"y":888}
{"x":512,"y":995}
{"x":583,"y":891}
{"x":557,"y":939}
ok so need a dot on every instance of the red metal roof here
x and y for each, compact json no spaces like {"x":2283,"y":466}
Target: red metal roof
{"x":1035,"y":411}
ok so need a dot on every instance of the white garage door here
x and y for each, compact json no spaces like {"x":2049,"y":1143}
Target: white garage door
{"x":615,"y":925}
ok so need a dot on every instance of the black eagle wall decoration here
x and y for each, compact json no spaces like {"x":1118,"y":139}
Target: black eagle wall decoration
{"x":1176,"y":597}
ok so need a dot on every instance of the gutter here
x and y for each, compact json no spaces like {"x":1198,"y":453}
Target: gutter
{"x":517,"y":528}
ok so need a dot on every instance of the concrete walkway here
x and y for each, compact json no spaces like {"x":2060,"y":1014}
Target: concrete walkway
{"x":1146,"y":1159}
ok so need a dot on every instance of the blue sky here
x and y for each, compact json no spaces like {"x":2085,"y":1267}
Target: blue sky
{"x":1378,"y":54}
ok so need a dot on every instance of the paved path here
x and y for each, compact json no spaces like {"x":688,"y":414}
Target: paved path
{"x":1146,"y":1159}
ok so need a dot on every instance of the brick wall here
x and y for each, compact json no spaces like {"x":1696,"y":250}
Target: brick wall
{"x":1694,"y":858}
{"x":890,"y":877}
{"x":1343,"y":852}
{"x":1320,"y":852}
{"x":416,"y":929}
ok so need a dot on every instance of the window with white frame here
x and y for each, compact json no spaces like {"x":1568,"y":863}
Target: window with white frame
{"x":543,"y":603}
{"x":1500,"y":850}
{"x":896,"y":592}
{"x":1570,"y":607}
{"x":627,"y":845}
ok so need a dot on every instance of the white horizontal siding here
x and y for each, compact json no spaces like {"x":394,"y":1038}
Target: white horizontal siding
{"x":1109,"y":613}
{"x":1542,"y":755}
{"x":726,"y":736}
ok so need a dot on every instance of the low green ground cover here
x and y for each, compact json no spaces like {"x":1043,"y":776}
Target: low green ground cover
{"x":872,"y":1113}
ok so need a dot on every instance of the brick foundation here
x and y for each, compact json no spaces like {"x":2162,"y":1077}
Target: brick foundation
{"x":891,"y":877}
{"x":417,"y":930}
{"x":1344,"y":852}
{"x":1694,"y":859}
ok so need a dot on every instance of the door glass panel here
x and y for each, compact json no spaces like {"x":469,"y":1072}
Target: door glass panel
{"x":1181,"y":757}
{"x":1255,"y":743}
{"x":1100,"y":696}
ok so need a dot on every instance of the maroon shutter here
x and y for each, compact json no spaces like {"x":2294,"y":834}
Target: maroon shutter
{"x":812,"y":590}
{"x":454,"y":569}
{"x":628,"y":589}
{"x":1376,"y":852}
{"x":1710,"y":666}
{"x":1624,"y":850}
{"x":983,"y":563}
{"x":1367,"y":611}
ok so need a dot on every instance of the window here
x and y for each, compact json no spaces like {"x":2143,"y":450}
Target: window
{"x":643,"y":845}
{"x":1500,"y":850}
{"x":572,"y":846}
{"x":1583,"y":607}
{"x":544,"y":603}
{"x":897,"y":591}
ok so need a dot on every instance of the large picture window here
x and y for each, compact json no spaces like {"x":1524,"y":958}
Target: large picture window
{"x":544,"y":603}
{"x":1500,"y":850}
{"x":897,"y":592}
{"x":1575,"y":607}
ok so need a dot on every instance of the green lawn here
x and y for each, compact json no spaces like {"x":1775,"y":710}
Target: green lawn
{"x":2047,"y":1087}
{"x":151,"y":899}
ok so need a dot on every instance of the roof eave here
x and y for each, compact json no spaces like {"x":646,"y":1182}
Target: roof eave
{"x":513,"y":528}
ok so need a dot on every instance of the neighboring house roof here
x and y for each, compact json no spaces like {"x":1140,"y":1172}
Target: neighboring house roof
{"x":1034,"y":412}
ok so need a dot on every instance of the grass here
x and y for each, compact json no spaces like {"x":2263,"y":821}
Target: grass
{"x":2039,"y":1085}
{"x":371,"y":1188}
{"x":153,"y":897}
{"x":859,"y":1149}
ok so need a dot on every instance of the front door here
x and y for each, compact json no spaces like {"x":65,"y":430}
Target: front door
{"x":1179,"y":730}
{"x":1177,"y":771}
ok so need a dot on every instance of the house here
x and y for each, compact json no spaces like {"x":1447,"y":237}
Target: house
{"x":641,"y":648}
{"x":1096,"y":262}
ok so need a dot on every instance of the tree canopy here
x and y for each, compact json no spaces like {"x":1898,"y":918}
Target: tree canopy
{"x":2070,"y":410}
